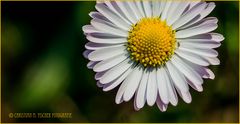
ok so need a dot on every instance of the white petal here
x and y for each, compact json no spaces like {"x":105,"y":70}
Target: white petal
{"x":203,"y":71}
{"x":203,"y":45}
{"x":147,"y":8}
{"x":115,"y":72}
{"x":186,"y":96}
{"x":213,"y":60}
{"x":186,"y":70}
{"x":162,"y":85}
{"x":96,"y":46}
{"x":162,"y":6}
{"x":210,"y":6}
{"x":86,"y":53}
{"x":109,"y":63}
{"x":91,"y":64}
{"x":172,"y":95}
{"x":134,"y":9}
{"x":192,"y":57}
{"x":116,"y":82}
{"x":204,"y":38}
{"x":162,"y":106}
{"x":140,"y":8}
{"x":116,"y":9}
{"x":141,"y":92}
{"x":89,"y":29}
{"x":195,"y":86}
{"x":106,"y":53}
{"x":177,"y":12}
{"x":98,"y":16}
{"x":126,"y":10}
{"x":156,"y":8}
{"x":189,"y":15}
{"x":122,"y":89}
{"x":211,"y":74}
{"x":110,"y":15}
{"x":177,"y":77}
{"x":99,"y":84}
{"x":165,"y":10}
{"x":207,"y":20}
{"x":196,"y":30}
{"x":133,"y":82}
{"x":201,"y":52}
{"x":108,"y":28}
{"x":108,"y":39}
{"x":98,"y":75}
{"x":217,"y":37}
{"x":152,"y":87}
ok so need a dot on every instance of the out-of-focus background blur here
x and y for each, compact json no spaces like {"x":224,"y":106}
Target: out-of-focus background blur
{"x":43,"y":69}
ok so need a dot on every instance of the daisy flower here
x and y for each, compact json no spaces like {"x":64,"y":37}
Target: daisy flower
{"x":152,"y":50}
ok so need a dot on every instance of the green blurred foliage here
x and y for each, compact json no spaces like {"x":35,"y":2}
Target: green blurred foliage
{"x":54,"y":76}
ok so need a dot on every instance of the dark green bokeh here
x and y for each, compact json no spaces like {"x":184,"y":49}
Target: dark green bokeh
{"x":43,"y":69}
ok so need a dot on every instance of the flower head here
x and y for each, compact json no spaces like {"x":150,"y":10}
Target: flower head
{"x":152,"y":49}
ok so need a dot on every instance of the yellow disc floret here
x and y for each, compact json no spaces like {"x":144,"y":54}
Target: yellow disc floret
{"x":151,"y":42}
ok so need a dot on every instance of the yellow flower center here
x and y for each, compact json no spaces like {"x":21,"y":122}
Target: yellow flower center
{"x":151,"y":42}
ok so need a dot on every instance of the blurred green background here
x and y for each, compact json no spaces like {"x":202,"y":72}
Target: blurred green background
{"x":43,"y":69}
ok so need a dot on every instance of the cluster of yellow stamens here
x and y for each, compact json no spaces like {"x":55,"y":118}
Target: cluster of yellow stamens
{"x":151,"y":42}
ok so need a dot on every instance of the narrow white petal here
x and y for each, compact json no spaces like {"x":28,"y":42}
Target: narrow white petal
{"x":162,"y":6}
{"x":208,"y":37}
{"x":213,"y":60}
{"x":192,"y":57}
{"x":177,"y":12}
{"x":207,"y":20}
{"x":99,"y":84}
{"x":186,"y":96}
{"x":211,"y":74}
{"x":196,"y":30}
{"x":189,"y":15}
{"x":162,"y":106}
{"x":97,"y":46}
{"x":152,"y":88}
{"x":89,"y":29}
{"x":209,"y":8}
{"x":122,"y":89}
{"x":97,"y":38}
{"x":110,"y":15}
{"x":195,"y":86}
{"x":201,"y":70}
{"x":172,"y":95}
{"x":115,"y":72}
{"x":201,"y":52}
{"x":133,"y":82}
{"x":141,"y":92}
{"x":108,"y":28}
{"x":106,"y":53}
{"x":98,"y":16}
{"x":98,"y":75}
{"x":86,"y":53}
{"x":203,"y":45}
{"x":140,"y":8}
{"x":126,"y":10}
{"x":91,"y":64}
{"x":162,"y":85}
{"x":134,"y":9}
{"x":177,"y":77}
{"x":147,"y":8}
{"x":156,"y":8}
{"x":186,"y":70}
{"x":109,"y":63}
{"x":165,"y":10}
{"x":116,"y":82}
